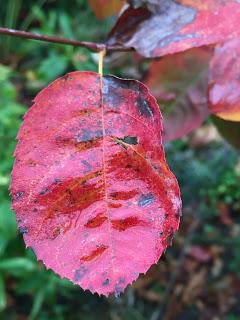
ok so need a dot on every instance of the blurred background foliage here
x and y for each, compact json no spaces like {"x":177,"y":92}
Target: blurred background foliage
{"x":208,"y":171}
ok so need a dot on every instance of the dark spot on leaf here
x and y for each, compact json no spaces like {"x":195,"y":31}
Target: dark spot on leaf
{"x":23,"y":230}
{"x":85,"y":235}
{"x":144,"y":107}
{"x":120,"y":83}
{"x":129,"y":140}
{"x":111,"y":94}
{"x":146,"y":200}
{"x":106,"y":282}
{"x":17,"y":195}
{"x":86,"y":135}
{"x":56,"y":181}
{"x":86,"y":164}
{"x":80,"y":273}
{"x":44,"y":191}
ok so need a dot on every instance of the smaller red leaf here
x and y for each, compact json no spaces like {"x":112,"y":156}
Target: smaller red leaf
{"x":180,"y":84}
{"x":162,"y":27}
{"x":224,"y":81}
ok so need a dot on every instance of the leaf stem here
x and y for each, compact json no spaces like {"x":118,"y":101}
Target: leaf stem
{"x":97,"y":47}
{"x":100,"y":61}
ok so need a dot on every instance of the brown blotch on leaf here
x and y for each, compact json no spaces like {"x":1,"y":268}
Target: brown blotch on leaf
{"x":85,"y":145}
{"x":84,"y":112}
{"x":123,"y":195}
{"x":114,"y":205}
{"x":94,"y":254}
{"x":96,"y":221}
{"x":31,"y":163}
{"x":123,"y":224}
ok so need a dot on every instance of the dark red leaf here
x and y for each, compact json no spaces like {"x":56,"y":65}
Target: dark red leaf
{"x":106,"y":8}
{"x":224,"y":81}
{"x":90,"y":184}
{"x":168,"y":26}
{"x":180,"y":84}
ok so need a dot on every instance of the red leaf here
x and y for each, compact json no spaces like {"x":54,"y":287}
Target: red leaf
{"x":90,"y":185}
{"x":106,"y":8}
{"x":169,"y":26}
{"x":224,"y":81}
{"x":180,"y":84}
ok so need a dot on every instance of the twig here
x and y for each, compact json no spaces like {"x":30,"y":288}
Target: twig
{"x":97,"y":47}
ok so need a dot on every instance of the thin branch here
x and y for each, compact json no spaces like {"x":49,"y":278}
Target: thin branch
{"x":97,"y":47}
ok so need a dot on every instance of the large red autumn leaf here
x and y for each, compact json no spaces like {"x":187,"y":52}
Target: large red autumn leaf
{"x":106,"y":8}
{"x":92,"y":192}
{"x":168,"y":26}
{"x":179,"y":82}
{"x":224,"y":81}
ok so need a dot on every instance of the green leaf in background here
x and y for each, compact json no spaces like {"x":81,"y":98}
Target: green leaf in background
{"x":17,"y":265}
{"x":7,"y":221}
{"x":2,"y":294}
{"x":52,"y":67}
{"x":229,"y":130}
{"x":10,"y":120}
